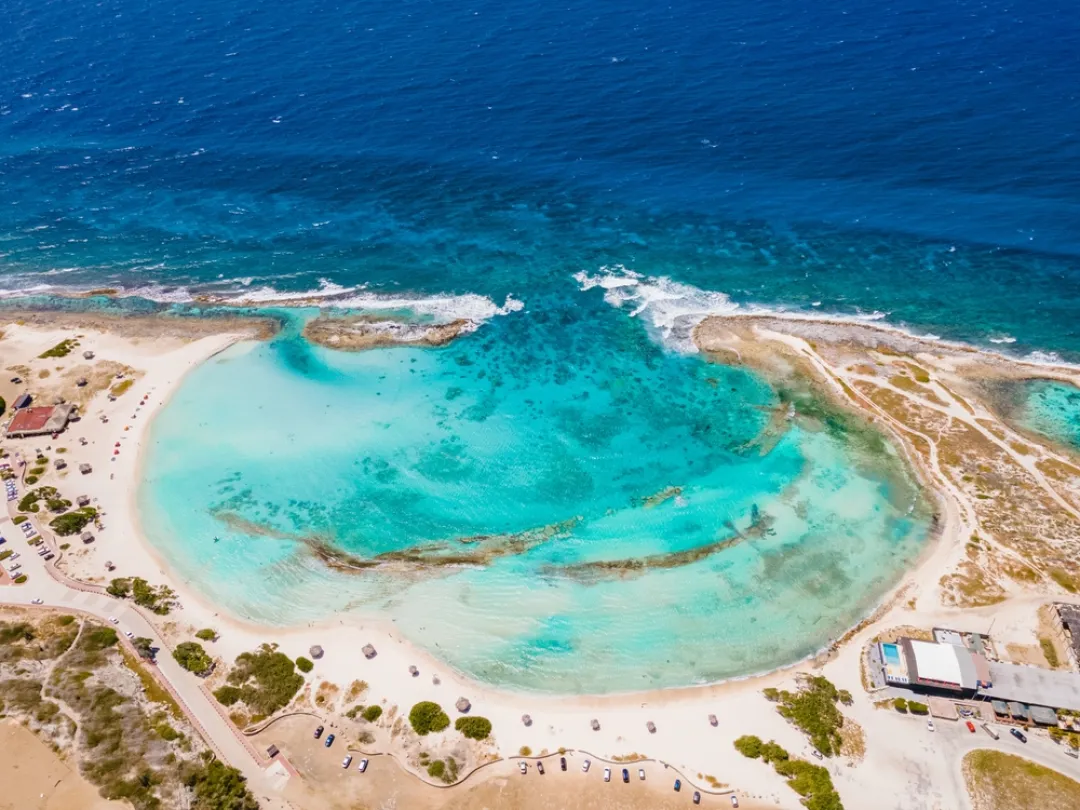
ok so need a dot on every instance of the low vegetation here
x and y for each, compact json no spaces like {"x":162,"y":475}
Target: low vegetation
{"x":475,"y":728}
{"x":810,"y":781}
{"x":207,"y":635}
{"x":999,"y":781}
{"x":1049,"y":652}
{"x":812,"y":708}
{"x":61,"y":349}
{"x":372,"y":713}
{"x":192,"y":657}
{"x":126,"y":743}
{"x":157,"y":599}
{"x":121,"y":387}
{"x":73,"y":522}
{"x":427,"y":717}
{"x":304,"y":664}
{"x":265,"y":680}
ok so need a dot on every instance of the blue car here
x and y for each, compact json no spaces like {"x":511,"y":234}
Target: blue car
{"x":329,"y":740}
{"x":1018,"y":734}
{"x":678,"y":785}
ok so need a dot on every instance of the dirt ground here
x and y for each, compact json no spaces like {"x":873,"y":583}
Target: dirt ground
{"x":386,"y":786}
{"x":34,"y":778}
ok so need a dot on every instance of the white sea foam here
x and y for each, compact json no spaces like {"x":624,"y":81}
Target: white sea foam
{"x":1003,"y":339}
{"x":672,"y":309}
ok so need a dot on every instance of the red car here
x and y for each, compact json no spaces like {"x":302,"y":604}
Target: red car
{"x":971,"y":726}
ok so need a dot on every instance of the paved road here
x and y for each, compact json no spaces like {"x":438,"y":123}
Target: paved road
{"x":215,"y":729}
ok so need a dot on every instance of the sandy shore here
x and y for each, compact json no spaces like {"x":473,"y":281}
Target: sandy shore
{"x":683,"y":738}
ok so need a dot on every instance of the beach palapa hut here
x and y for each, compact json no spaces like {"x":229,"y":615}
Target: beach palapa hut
{"x":413,"y":671}
{"x":526,"y":719}
{"x":83,"y":500}
{"x":713,"y":721}
{"x":315,"y":651}
{"x":595,"y":724}
{"x":86,"y":537}
{"x":651,"y":726}
{"x":369,"y":651}
{"x":85,"y":469}
{"x":463,"y":705}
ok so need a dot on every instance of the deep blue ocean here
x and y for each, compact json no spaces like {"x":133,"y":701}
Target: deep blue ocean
{"x":584,"y":181}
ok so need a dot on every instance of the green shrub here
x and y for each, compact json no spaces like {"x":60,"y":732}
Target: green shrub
{"x":36,"y":471}
{"x":207,"y":635}
{"x":436,"y":769}
{"x":267,"y":679}
{"x":192,"y":657}
{"x":144,"y":647}
{"x":772,"y":752}
{"x":61,"y":349}
{"x":900,"y":705}
{"x":813,"y":710}
{"x":227,"y":695}
{"x":19,"y":519}
{"x":119,"y":587}
{"x":304,"y":664}
{"x":3,"y":406}
{"x":771,"y":694}
{"x":918,"y":708}
{"x":6,"y":553}
{"x":372,"y":713}
{"x":525,"y":751}
{"x":1049,"y":652}
{"x":65,"y":546}
{"x":72,"y":522}
{"x":749,"y":746}
{"x":31,"y":479}
{"x":475,"y":728}
{"x":20,"y":579}
{"x":219,"y":787}
{"x":100,"y":638}
{"x":426,"y":717}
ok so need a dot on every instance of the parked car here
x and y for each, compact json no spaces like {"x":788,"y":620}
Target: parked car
{"x":607,"y":774}
{"x":678,"y":785}
{"x":585,"y":766}
{"x":641,"y":774}
{"x":129,"y":634}
{"x":1018,"y":734}
{"x":625,"y":775}
{"x":362,"y":766}
{"x":523,"y":768}
{"x":970,"y":726}
{"x":114,"y":620}
{"x":697,"y":797}
{"x":930,"y":724}
{"x":540,"y":767}
{"x":329,"y":741}
{"x":734,"y":800}
{"x":345,"y":763}
{"x":816,"y":753}
{"x":37,"y":601}
{"x":318,"y":732}
{"x":562,"y":763}
{"x":990,"y":731}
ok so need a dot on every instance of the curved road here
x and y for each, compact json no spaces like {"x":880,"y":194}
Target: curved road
{"x":200,"y":709}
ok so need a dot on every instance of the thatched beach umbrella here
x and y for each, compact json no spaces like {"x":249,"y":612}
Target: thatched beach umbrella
{"x":463,"y":705}
{"x":526,"y":719}
{"x":651,"y":726}
{"x":369,"y":651}
{"x":595,"y":724}
{"x":315,"y":651}
{"x":414,"y":671}
{"x":435,"y":680}
{"x":713,"y":721}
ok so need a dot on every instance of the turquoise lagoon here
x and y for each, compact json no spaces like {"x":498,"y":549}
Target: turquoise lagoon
{"x":558,"y":414}
{"x":1048,"y":407}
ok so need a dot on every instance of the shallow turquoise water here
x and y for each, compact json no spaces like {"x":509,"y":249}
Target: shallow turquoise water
{"x":1051,"y":408}
{"x":535,"y":419}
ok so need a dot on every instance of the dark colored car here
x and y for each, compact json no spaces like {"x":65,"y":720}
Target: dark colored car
{"x":678,"y":785}
{"x":540,"y":767}
{"x":562,"y":763}
{"x":318,"y":732}
{"x":697,"y":797}
{"x":625,"y":775}
{"x":1018,"y":734}
{"x":329,"y":740}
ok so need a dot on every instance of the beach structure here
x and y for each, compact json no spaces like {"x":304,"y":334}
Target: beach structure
{"x":713,"y":721}
{"x":86,"y":537}
{"x":39,"y":421}
{"x":956,"y":671}
{"x":22,"y":401}
{"x":315,"y":651}
{"x":272,"y":751}
{"x":60,"y":464}
{"x":526,"y":719}
{"x":1069,"y":618}
{"x":463,"y":705}
{"x":369,"y":651}
{"x":85,"y":469}
{"x":435,"y":680}
{"x":413,"y":670}
{"x":595,"y":724}
{"x":81,"y":382}
{"x":83,"y":500}
{"x":651,"y":726}
{"x":88,"y":355}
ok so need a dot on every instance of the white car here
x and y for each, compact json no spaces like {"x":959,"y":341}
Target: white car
{"x":607,"y":774}
{"x":523,"y":767}
{"x":641,"y":774}
{"x":114,"y":620}
{"x":345,"y":763}
{"x":734,"y":800}
{"x":362,"y":766}
{"x":585,"y":766}
{"x":816,"y":753}
{"x":15,"y":556}
{"x":930,"y":724}
{"x":37,"y":601}
{"x":129,"y":634}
